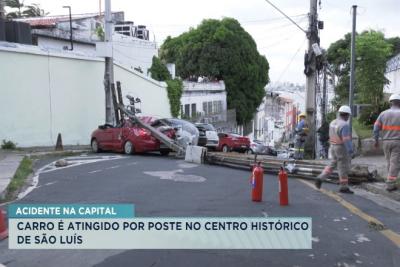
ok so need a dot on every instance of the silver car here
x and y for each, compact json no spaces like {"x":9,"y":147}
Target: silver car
{"x":211,"y":134}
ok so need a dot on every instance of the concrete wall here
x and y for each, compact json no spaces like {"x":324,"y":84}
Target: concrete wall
{"x":43,"y":94}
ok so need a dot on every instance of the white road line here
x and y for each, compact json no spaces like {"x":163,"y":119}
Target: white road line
{"x":95,"y":171}
{"x":114,"y":167}
{"x":265,"y":214}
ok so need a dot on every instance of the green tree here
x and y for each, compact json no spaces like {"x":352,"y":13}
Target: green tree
{"x":22,"y":10}
{"x":158,"y":70}
{"x":15,"y":4}
{"x":373,"y":52}
{"x":34,"y":10}
{"x":222,"y":49}
{"x":338,"y":56}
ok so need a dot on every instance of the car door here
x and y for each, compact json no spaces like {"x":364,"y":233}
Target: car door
{"x":105,"y":137}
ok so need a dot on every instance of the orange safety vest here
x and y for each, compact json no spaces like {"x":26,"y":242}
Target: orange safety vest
{"x":335,"y":129}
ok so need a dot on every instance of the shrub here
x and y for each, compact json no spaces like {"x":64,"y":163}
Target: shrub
{"x":8,"y":145}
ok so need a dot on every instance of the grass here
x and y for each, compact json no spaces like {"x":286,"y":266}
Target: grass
{"x":23,"y":171}
{"x":363,"y":131}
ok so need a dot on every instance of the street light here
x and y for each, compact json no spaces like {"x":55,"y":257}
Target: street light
{"x":70,"y":27}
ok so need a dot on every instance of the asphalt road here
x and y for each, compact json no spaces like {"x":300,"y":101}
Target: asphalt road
{"x":160,"y":186}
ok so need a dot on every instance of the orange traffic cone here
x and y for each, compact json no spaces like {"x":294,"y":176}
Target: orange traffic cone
{"x":3,"y":226}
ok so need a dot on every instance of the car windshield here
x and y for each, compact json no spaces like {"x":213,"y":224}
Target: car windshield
{"x":207,"y":127}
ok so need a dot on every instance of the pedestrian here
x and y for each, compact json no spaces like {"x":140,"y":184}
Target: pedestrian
{"x":342,"y":150}
{"x":301,"y":131}
{"x":389,"y":123}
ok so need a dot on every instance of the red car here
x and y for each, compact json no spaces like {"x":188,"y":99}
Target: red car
{"x":129,"y":138}
{"x":229,"y":142}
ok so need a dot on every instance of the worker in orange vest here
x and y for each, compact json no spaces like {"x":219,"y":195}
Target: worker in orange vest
{"x":389,"y":123}
{"x":342,"y":150}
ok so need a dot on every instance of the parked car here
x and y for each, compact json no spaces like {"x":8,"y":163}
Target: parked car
{"x":129,"y":138}
{"x":233,"y":142}
{"x":186,"y":132}
{"x":202,"y":136}
{"x":258,"y":147}
{"x":211,"y":135}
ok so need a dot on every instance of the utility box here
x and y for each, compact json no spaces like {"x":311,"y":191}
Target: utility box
{"x":18,"y":32}
{"x":2,"y":30}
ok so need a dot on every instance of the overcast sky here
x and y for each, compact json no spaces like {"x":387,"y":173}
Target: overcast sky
{"x":280,"y":41}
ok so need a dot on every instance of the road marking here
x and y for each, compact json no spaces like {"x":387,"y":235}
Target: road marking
{"x":265,"y":214}
{"x":114,"y":167}
{"x":378,"y":225}
{"x":95,"y":171}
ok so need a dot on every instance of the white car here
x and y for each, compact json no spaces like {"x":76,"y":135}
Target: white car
{"x":211,"y":134}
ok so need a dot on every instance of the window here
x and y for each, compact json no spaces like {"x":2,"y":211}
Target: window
{"x":209,"y":107}
{"x":194,"y":112}
{"x":205,"y":108}
{"x":187,"y":110}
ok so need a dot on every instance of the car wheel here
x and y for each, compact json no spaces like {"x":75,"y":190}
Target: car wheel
{"x":225,"y":149}
{"x":128,"y":148}
{"x":95,"y":146}
{"x":164,"y":152}
{"x":249,"y":151}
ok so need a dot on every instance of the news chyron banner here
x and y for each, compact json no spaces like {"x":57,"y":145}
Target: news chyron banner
{"x":114,"y":226}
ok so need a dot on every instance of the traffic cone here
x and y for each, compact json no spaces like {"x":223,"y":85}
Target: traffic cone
{"x":3,"y":226}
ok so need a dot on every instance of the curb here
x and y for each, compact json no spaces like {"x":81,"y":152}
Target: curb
{"x":379,"y":188}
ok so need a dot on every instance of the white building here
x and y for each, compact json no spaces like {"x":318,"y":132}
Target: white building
{"x":204,"y":101}
{"x":131,"y":45}
{"x":393,"y":75}
{"x":44,"y":93}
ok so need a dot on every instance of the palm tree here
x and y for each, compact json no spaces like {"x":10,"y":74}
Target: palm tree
{"x":34,"y":10}
{"x":15,"y":4}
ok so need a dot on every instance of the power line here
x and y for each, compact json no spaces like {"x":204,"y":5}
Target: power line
{"x":280,"y":11}
{"x":291,"y":60}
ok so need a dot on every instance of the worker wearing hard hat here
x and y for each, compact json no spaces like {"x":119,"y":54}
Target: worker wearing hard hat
{"x":300,"y":137}
{"x":389,"y":123}
{"x":342,"y":150}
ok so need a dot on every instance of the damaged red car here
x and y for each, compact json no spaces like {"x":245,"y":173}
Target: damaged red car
{"x":129,"y":138}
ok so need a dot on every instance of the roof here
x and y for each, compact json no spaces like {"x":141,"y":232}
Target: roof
{"x":49,"y":21}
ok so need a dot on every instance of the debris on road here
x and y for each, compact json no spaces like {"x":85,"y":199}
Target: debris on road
{"x":307,"y":169}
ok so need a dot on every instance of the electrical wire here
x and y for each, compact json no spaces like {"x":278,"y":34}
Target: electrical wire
{"x":291,"y":61}
{"x":289,"y":18}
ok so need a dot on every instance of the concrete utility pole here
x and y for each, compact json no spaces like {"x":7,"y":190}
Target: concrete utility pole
{"x":352,"y":64}
{"x":2,"y":11}
{"x":324,"y":98}
{"x":311,"y":81}
{"x":109,"y":66}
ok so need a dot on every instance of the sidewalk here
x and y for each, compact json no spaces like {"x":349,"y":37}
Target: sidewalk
{"x":378,"y":163}
{"x":9,"y":162}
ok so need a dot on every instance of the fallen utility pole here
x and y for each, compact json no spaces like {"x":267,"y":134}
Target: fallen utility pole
{"x":109,"y":65}
{"x":157,"y":134}
{"x":296,"y":168}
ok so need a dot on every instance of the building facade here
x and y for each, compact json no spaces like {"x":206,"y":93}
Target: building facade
{"x":204,"y":101}
{"x":393,"y":75}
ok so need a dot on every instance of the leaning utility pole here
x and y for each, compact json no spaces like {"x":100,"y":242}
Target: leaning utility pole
{"x":352,"y":63}
{"x":311,"y":80}
{"x":109,"y":66}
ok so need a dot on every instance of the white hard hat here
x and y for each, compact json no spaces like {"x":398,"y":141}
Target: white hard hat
{"x":345,"y":109}
{"x":394,"y":97}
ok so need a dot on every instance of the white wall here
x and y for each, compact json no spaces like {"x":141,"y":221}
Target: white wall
{"x":394,"y":85}
{"x":44,"y":94}
{"x":54,"y":44}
